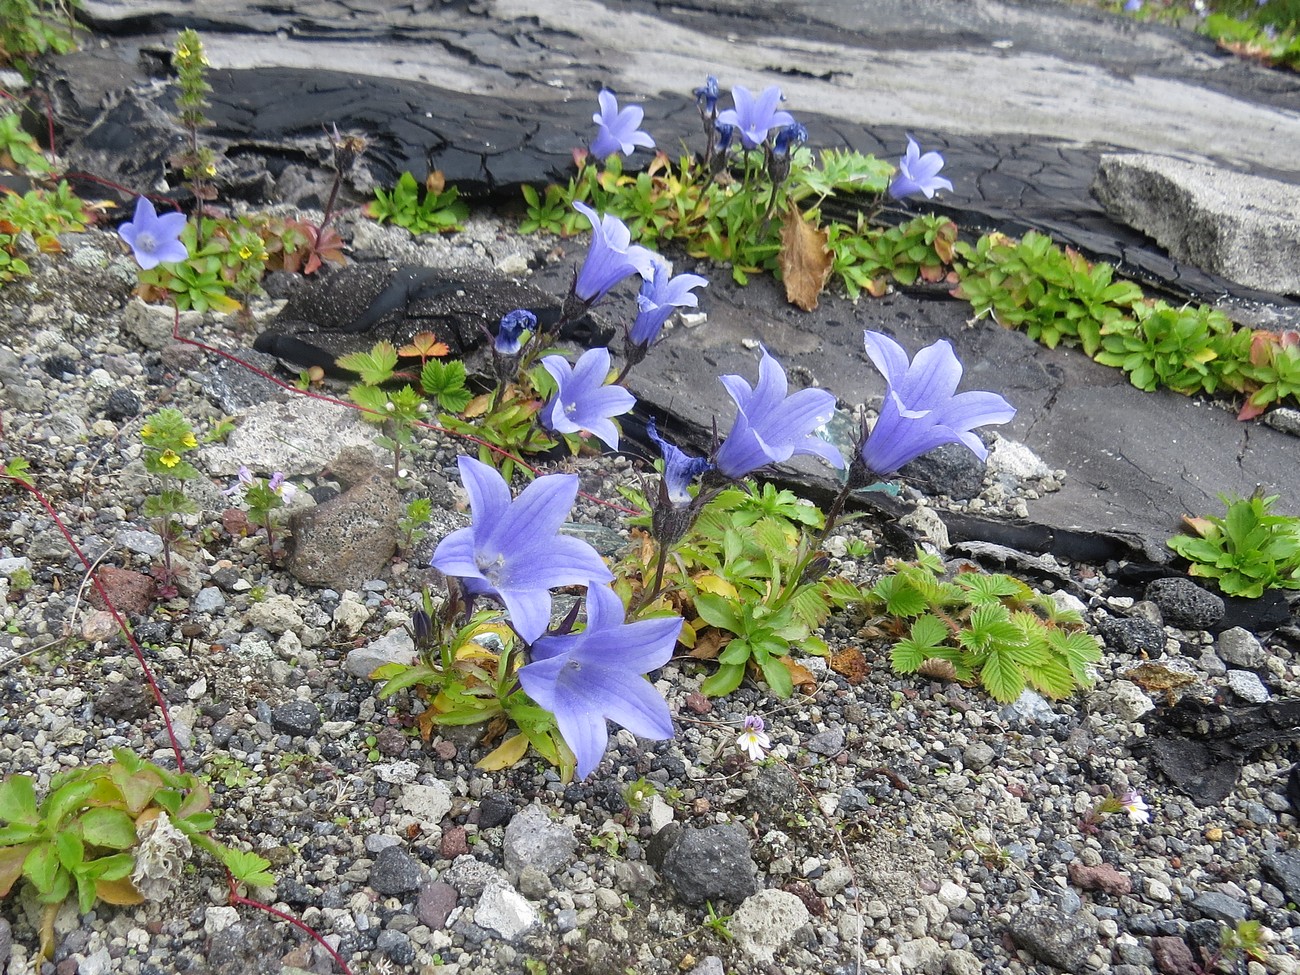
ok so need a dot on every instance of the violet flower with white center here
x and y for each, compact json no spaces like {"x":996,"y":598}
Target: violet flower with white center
{"x":515,"y":329}
{"x":618,"y":131}
{"x":752,"y":740}
{"x":285,"y":489}
{"x":1136,"y":807}
{"x":661,"y":295}
{"x":611,"y":257}
{"x":679,"y":469}
{"x":583,"y":401}
{"x":242,"y":480}
{"x":771,"y":427}
{"x":587,"y":678}
{"x":153,"y":239}
{"x":918,"y":173}
{"x":512,"y":550}
{"x":920,"y":411}
{"x":755,"y":115}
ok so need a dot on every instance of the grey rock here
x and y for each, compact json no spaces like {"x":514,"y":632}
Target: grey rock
{"x":1030,"y":707}
{"x":1185,"y":604}
{"x":96,"y":963}
{"x":394,"y":647}
{"x":1125,"y":700}
{"x":827,"y":742}
{"x":855,"y":800}
{"x":320,"y":431}
{"x":145,"y":543}
{"x":152,"y":324}
{"x":469,"y":876}
{"x":1247,"y":686}
{"x":1221,"y":907}
{"x":296,"y":718}
{"x":711,"y":864}
{"x":709,"y":965}
{"x":495,"y":809}
{"x":951,"y":469}
{"x":395,"y":872}
{"x":1284,"y":868}
{"x":349,"y":539}
{"x":1285,"y":419}
{"x":396,"y":946}
{"x":1050,"y":936}
{"x":1239,"y":648}
{"x":67,"y":427}
{"x":276,"y":614}
{"x":208,"y":600}
{"x":504,"y":910}
{"x":6,"y":943}
{"x":1133,"y":635}
{"x":1210,"y":663}
{"x":767,"y":922}
{"x":1244,"y":227}
{"x":977,"y":756}
{"x":775,"y":794}
{"x":534,"y":883}
{"x":435,"y":904}
{"x":532,"y":839}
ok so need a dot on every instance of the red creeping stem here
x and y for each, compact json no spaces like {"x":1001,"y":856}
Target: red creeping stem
{"x":237,"y":898}
{"x":117,"y":616}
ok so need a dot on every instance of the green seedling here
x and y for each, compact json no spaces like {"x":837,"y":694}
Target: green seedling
{"x":436,"y":209}
{"x":167,"y":438}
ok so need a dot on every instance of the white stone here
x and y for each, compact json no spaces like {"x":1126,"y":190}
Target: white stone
{"x":275,"y":614}
{"x":394,"y":647}
{"x":1247,"y":686}
{"x":1128,"y":702}
{"x":350,"y":616}
{"x":504,"y":910}
{"x":320,"y":431}
{"x":661,"y":814}
{"x":766,"y":921}
{"x":428,"y":803}
{"x":217,"y":919}
{"x":1010,"y":457}
{"x":1158,"y":890}
{"x":953,"y":895}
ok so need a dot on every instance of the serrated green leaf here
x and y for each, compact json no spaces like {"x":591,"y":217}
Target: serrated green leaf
{"x":247,"y":868}
{"x":1001,"y":676}
{"x":372,"y":399}
{"x":375,"y":367}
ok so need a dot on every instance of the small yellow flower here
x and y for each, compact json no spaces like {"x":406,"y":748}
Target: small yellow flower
{"x":245,"y":252}
{"x":169,"y":458}
{"x":182,"y":52}
{"x":189,"y":440}
{"x":146,"y":432}
{"x":209,"y":170}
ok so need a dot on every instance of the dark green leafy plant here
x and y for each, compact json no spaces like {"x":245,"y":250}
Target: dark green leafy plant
{"x":990,"y":629}
{"x":19,"y":151}
{"x":30,"y":28}
{"x":1164,"y":346}
{"x":1053,"y":293}
{"x":1248,"y":550}
{"x":1275,"y":43}
{"x":435,"y":210}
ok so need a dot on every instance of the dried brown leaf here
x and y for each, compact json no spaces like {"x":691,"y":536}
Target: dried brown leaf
{"x":938,"y":668}
{"x":805,"y":259}
{"x":850,"y":664}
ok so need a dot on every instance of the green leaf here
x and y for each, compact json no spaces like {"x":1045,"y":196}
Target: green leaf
{"x":18,"y":800}
{"x":445,"y":381}
{"x":71,"y":851}
{"x":375,"y":366}
{"x":778,"y":678}
{"x":42,"y":868}
{"x":370,"y":398}
{"x":65,"y":801}
{"x":726,"y":680}
{"x":717,"y":611}
{"x":111,"y":828}
{"x":1001,"y":676}
{"x":247,"y":868}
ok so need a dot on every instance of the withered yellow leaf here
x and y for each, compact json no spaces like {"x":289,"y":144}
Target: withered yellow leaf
{"x":805,"y":259}
{"x":504,"y":755}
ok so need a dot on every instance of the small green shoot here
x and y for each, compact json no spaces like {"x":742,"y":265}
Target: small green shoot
{"x":1246,"y":551}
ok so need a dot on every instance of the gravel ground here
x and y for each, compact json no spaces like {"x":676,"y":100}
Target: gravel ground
{"x":899,"y":825}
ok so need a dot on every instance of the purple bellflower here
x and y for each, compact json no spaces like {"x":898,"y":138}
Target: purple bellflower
{"x":787,"y":137}
{"x":513,"y":331}
{"x":679,"y":469}
{"x":725,"y":134}
{"x":918,"y":173}
{"x":661,"y":295}
{"x":153,"y":239}
{"x":618,"y":130}
{"x":770,"y":426}
{"x":611,"y":257}
{"x":755,"y":116}
{"x":583,"y":401}
{"x":588,"y":677}
{"x":920,"y":411}
{"x":512,"y":550}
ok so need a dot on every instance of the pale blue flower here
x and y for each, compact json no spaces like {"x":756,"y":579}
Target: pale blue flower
{"x":617,"y":131}
{"x":679,"y":469}
{"x":587,"y":678}
{"x":153,"y":239}
{"x":1132,"y":6}
{"x":512,"y":550}
{"x":771,"y":427}
{"x":918,"y":173}
{"x":583,"y":401}
{"x":920,"y":411}
{"x":611,"y":256}
{"x":755,"y":116}
{"x":661,"y":295}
